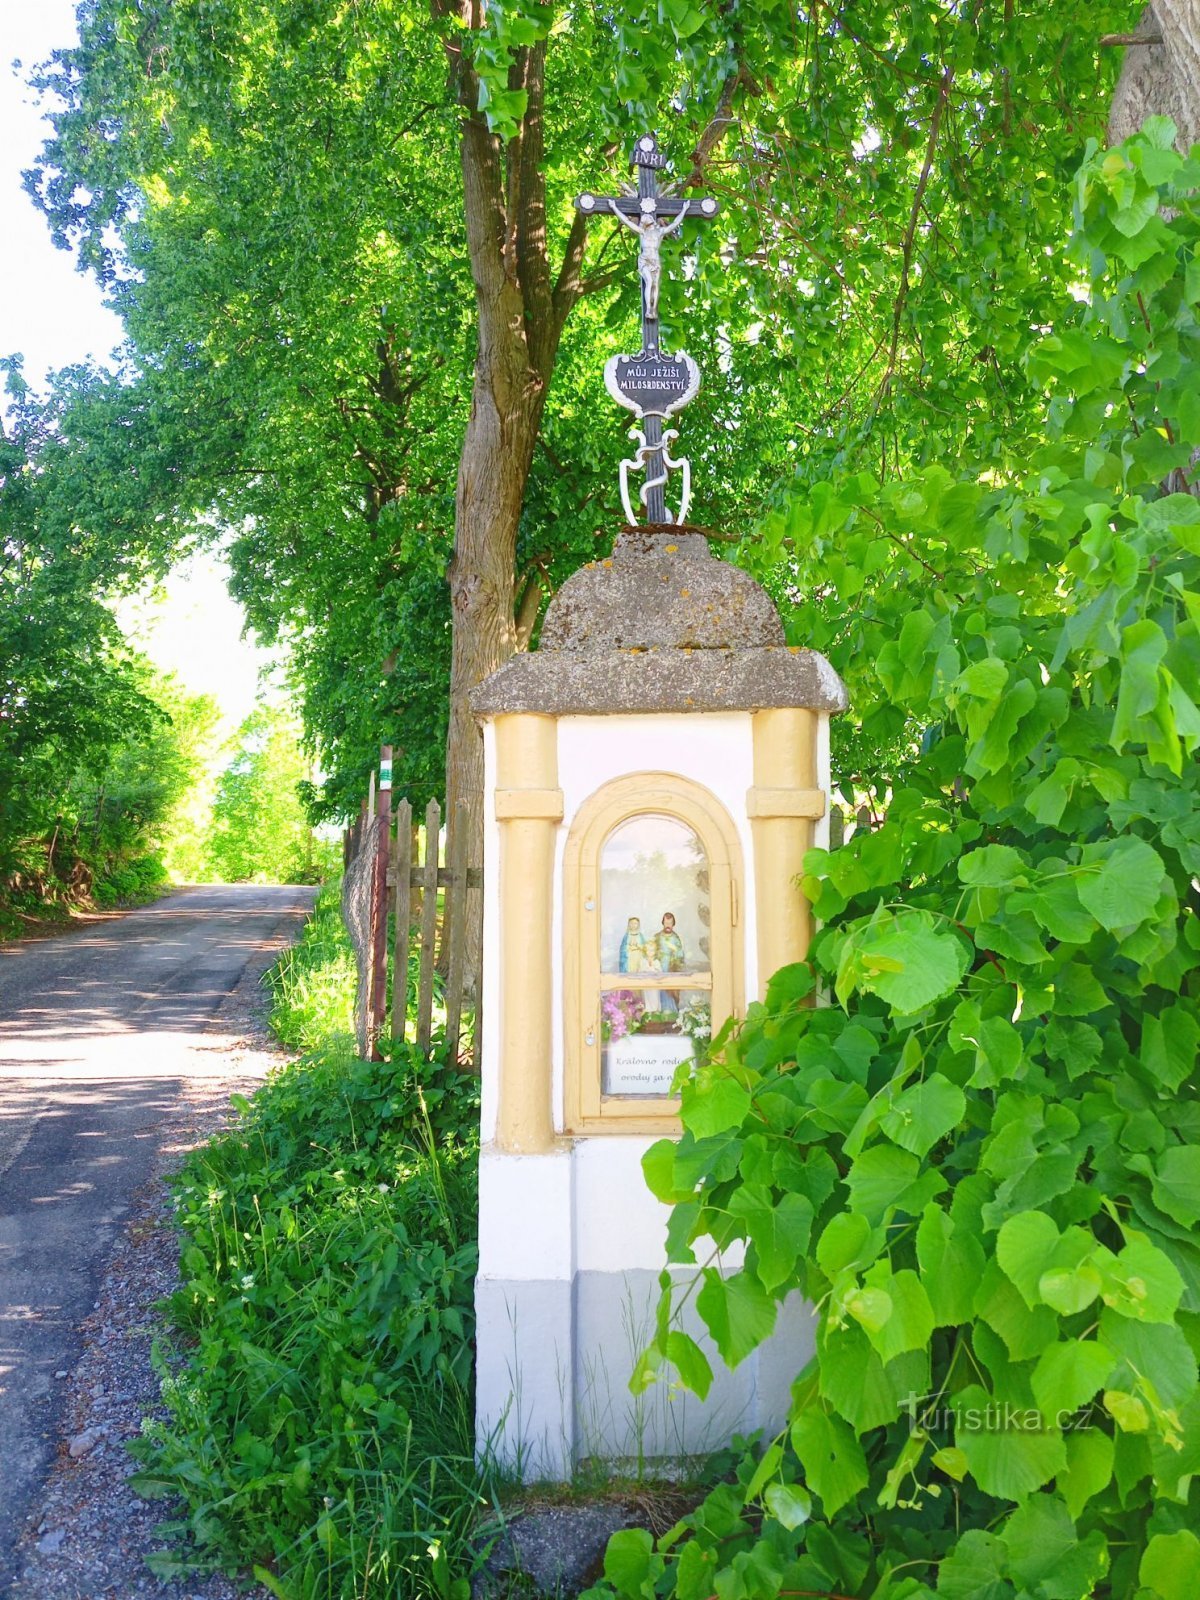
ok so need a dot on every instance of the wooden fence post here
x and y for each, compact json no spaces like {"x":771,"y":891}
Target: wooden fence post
{"x":402,"y":912}
{"x":837,"y":827}
{"x":429,"y":888}
{"x":456,"y":889}
{"x":379,"y":901}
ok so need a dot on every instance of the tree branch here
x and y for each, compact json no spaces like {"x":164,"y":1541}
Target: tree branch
{"x":527,"y":212}
{"x":1124,"y":40}
{"x":718,"y":126}
{"x":569,"y":286}
{"x":910,"y":234}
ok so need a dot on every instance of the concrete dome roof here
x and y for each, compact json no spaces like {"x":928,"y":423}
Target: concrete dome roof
{"x":661,"y":626}
{"x":661,"y":591}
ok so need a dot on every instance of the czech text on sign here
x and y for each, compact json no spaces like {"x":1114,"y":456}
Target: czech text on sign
{"x":652,"y":384}
{"x":644,"y":1064}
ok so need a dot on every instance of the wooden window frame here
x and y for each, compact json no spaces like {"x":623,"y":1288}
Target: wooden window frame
{"x":585,"y":1109}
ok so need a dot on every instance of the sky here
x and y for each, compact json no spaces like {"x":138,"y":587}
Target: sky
{"x":55,"y":316}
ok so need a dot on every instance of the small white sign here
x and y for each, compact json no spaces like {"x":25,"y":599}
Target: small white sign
{"x":644,"y":1063}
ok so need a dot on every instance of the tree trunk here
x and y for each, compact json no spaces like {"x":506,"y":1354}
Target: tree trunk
{"x":1162,"y":76}
{"x":521,"y":310}
{"x":519,"y":322}
{"x":492,"y":473}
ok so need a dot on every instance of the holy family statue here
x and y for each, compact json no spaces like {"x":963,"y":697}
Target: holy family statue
{"x":655,"y":952}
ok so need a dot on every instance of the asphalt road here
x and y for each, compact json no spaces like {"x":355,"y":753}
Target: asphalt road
{"x":99,"y":1032}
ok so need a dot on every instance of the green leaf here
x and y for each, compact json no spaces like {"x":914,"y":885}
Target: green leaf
{"x":1176,"y":1183}
{"x":262,"y":1575}
{"x":690,"y":1362}
{"x":1169,"y":1565}
{"x":871,"y":1308}
{"x":1025,"y":1331}
{"x":1170,"y":1045}
{"x":779,"y":1230}
{"x":1142,"y":1283}
{"x":909,"y":1324}
{"x":1127,"y":1411}
{"x":788,"y":1504}
{"x":951,"y":1262}
{"x":853,"y":1379}
{"x":910,"y":962}
{"x":1089,"y":1467}
{"x":1024,"y":1248}
{"x":1006,"y":1461}
{"x":846,"y":1240}
{"x":1047,"y":801}
{"x":974,"y":1568}
{"x":1056,"y":906}
{"x":714,"y":1107}
{"x":995,"y":866}
{"x":1157,"y":1353}
{"x":1070,"y":1289}
{"x":952,"y":1462}
{"x":766,"y":1469}
{"x":1122,"y":882}
{"x":1076,"y":1044}
{"x":737,"y":1311}
{"x":658,"y":1166}
{"x":832,"y":1458}
{"x":627,"y":1562}
{"x":1067,"y":1374}
{"x":924,"y":1113}
{"x":789,"y":986}
{"x":884,"y":1177}
{"x":999,"y":1053}
{"x":1039,"y":1535}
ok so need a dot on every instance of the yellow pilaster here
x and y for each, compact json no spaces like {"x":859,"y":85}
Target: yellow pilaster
{"x":528,"y":808}
{"x":782,"y":807}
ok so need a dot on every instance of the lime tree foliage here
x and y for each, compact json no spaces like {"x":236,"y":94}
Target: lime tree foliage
{"x":367,"y":327}
{"x":258,"y":827}
{"x":980,"y":1161}
{"x":96,"y":749}
{"x":317,"y":1422}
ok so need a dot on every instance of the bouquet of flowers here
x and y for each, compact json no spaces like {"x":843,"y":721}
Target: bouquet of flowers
{"x":620,"y":1012}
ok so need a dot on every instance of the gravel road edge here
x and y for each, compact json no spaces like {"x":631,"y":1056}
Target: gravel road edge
{"x":89,"y":1534}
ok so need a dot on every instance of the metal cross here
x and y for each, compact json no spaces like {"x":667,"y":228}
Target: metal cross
{"x":652,"y":216}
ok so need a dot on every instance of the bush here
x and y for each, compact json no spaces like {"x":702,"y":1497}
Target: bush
{"x":982,"y":1164}
{"x":318,"y":1376}
{"x":130,"y":882}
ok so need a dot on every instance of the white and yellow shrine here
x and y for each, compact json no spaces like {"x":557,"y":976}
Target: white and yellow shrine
{"x":655,"y":772}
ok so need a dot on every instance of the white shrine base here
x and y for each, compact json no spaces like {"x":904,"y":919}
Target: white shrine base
{"x":565,"y":1306}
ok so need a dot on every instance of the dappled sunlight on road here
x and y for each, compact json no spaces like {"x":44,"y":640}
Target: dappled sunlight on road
{"x":104,"y":1033}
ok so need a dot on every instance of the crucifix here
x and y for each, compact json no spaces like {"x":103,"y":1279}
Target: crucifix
{"x":651,"y":384}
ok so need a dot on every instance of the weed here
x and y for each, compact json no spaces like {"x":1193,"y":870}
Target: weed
{"x":317,"y":1373}
{"x":312,"y":984}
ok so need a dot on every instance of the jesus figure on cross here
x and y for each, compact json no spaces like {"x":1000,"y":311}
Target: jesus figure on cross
{"x":651,"y":233}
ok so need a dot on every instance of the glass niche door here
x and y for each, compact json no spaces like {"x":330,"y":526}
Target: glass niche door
{"x":656,"y":974}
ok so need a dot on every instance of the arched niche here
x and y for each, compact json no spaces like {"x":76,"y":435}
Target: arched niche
{"x":659,"y":851}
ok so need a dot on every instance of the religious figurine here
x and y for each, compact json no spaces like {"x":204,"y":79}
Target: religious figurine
{"x":668,"y":948}
{"x":632,"y":956}
{"x":651,"y":232}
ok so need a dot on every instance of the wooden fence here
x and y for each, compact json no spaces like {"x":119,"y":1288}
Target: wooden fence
{"x":844,"y":823}
{"x":407,"y":915}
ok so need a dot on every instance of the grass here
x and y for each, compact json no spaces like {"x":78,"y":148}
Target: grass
{"x":317,"y":1369}
{"x":317,"y":1373}
{"x":312,"y":983}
